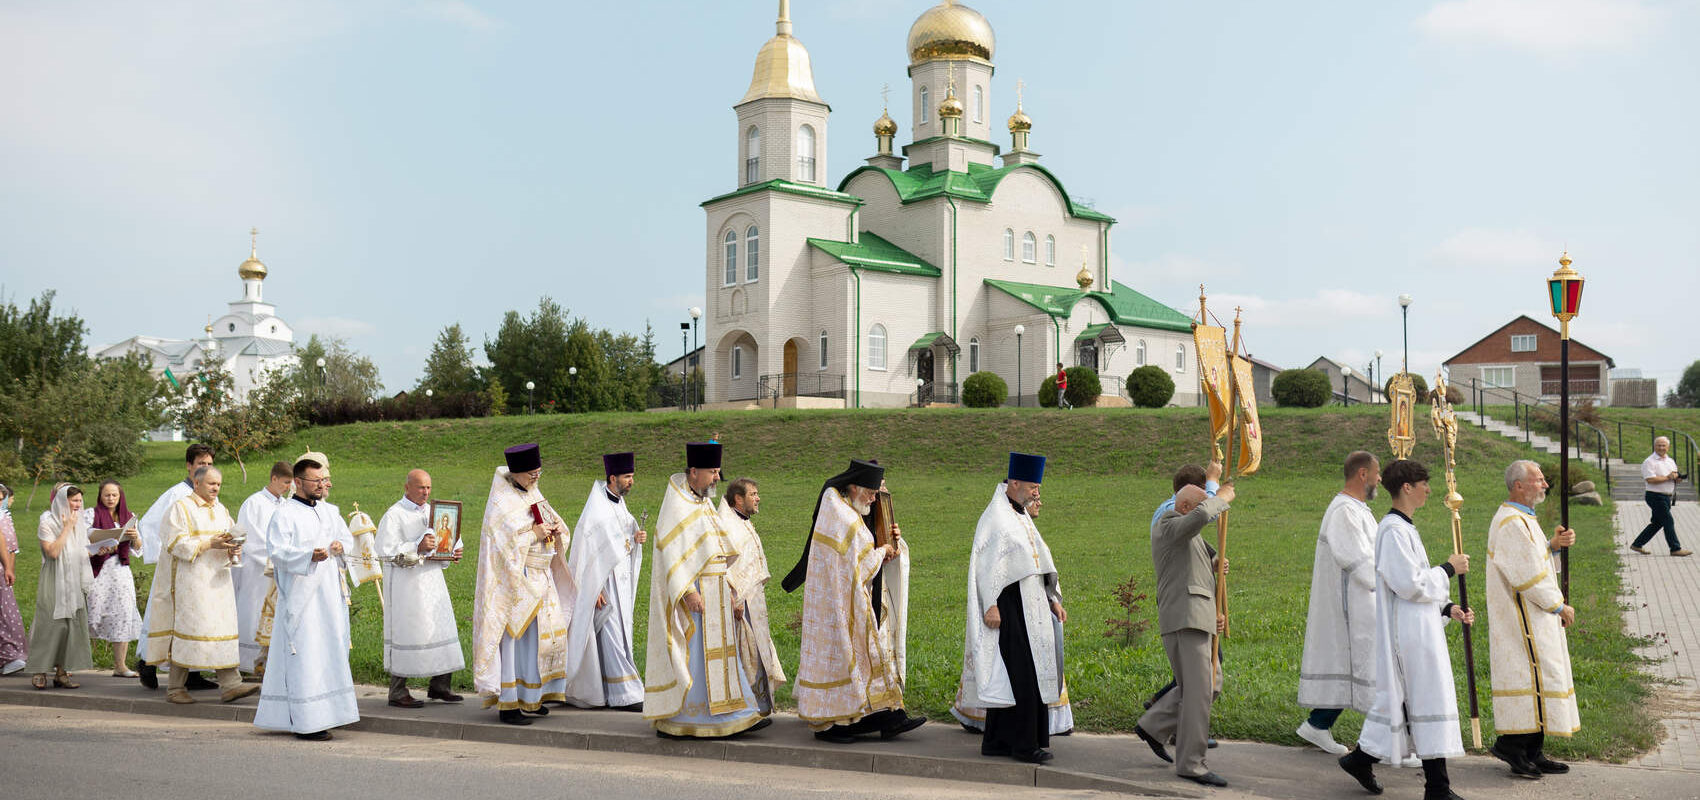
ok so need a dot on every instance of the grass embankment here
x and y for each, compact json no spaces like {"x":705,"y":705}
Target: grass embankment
{"x":1108,"y":470}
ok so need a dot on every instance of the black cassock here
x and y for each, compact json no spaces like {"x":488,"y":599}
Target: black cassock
{"x":1025,"y":726}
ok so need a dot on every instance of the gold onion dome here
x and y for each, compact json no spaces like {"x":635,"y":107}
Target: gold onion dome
{"x":950,"y":107}
{"x":1019,"y":121}
{"x":1083,"y":278}
{"x":253,"y":269}
{"x":885,"y":125}
{"x":782,"y":66}
{"x":953,"y":31}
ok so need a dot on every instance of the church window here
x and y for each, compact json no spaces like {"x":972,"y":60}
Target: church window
{"x":731,"y":257}
{"x":806,"y":154}
{"x":752,"y":154}
{"x":876,"y":347}
{"x":1139,"y":354}
{"x":1008,"y":244}
{"x":1029,"y":247}
{"x":926,"y":108}
{"x":274,"y":329}
{"x":1050,"y":251}
{"x":979,"y":104}
{"x":823,"y":348}
{"x":232,"y":327}
{"x":752,"y":254}
{"x":974,"y":355}
{"x":1180,"y":358}
{"x":737,"y":362}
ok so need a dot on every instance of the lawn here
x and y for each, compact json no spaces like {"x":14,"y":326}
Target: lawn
{"x":1108,"y":470}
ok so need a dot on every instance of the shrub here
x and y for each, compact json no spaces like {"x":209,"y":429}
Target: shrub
{"x":1083,"y":388}
{"x":344,"y":410}
{"x":1301,"y":388}
{"x":1150,"y":387}
{"x":1417,"y":383}
{"x":984,"y":390}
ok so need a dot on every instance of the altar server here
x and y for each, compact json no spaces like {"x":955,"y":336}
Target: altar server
{"x":421,"y":639}
{"x":254,"y":586}
{"x":1337,"y":670}
{"x":606,"y":556}
{"x":749,"y":575}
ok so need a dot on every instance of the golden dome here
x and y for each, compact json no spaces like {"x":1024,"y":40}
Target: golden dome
{"x":1019,"y":121}
{"x":1083,"y":278}
{"x":782,"y":66}
{"x":253,"y":269}
{"x":952,"y":31}
{"x":950,"y":107}
{"x":885,"y":125}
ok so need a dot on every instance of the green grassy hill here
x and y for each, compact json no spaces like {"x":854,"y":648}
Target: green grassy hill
{"x":1107,"y":472}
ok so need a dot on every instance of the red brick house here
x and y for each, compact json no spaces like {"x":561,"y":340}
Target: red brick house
{"x":1522,"y":356}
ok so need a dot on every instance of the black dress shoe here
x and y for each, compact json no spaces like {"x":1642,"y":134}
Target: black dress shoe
{"x":1210,"y":744}
{"x":408,"y":702}
{"x":972,"y":729}
{"x":316,"y":736}
{"x":835,"y":736}
{"x":149,"y":675}
{"x":1038,"y":756}
{"x":763,"y":723}
{"x":540,"y":711}
{"x":902,"y":726}
{"x":638,"y":707}
{"x":1363,"y":772}
{"x":1151,"y":741}
{"x":1208,"y":779}
{"x":1549,"y":766}
{"x":447,"y":697}
{"x":513,"y":716}
{"x":1519,"y":763}
{"x":198,"y":683}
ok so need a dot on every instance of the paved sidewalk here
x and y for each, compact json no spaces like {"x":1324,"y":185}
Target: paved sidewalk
{"x":1663,"y":598}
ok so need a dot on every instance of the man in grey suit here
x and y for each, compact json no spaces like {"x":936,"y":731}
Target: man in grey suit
{"x":1186,"y":616}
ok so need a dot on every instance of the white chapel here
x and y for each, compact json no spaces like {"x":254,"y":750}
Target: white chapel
{"x":892,"y":286}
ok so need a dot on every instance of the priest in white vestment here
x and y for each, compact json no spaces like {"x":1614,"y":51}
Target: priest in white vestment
{"x":606,"y":556}
{"x":523,"y":604}
{"x":748,"y":575}
{"x":308,"y":688}
{"x":1337,"y":670}
{"x":850,"y":671}
{"x":421,"y":639}
{"x":254,"y":584}
{"x":695,"y":684}
{"x":1533,"y":694}
{"x":1012,"y":654}
{"x":196,"y":456}
{"x":1416,"y":709}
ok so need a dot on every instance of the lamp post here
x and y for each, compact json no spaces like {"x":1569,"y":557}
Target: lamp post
{"x":684,"y":363}
{"x":696,"y":314}
{"x":1379,"y":377}
{"x":920,"y":383}
{"x":1019,"y":329}
{"x":572,"y":378}
{"x":529,"y":385}
{"x":1346,"y":385}
{"x":1405,"y":331}
{"x":1564,"y":289}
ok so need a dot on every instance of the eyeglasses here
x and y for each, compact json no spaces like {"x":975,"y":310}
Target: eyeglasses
{"x":316,"y":481}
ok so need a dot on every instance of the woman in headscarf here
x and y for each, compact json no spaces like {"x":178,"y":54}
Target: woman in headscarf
{"x":59,"y":638}
{"x":113,"y":616}
{"x":14,"y":645}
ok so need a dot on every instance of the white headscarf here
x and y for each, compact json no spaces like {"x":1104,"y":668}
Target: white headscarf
{"x":72,"y":572}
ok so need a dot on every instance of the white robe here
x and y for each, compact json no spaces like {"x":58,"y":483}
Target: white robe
{"x":1416,"y":707}
{"x":194,"y":605}
{"x":308,"y":686}
{"x":605,"y":559}
{"x":253,"y":585}
{"x":749,"y":575}
{"x":1528,"y":647}
{"x":1338,"y":666}
{"x":421,"y":639}
{"x":148,"y":527}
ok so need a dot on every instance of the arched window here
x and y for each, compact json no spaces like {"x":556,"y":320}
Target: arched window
{"x":876,"y":347}
{"x":823,"y":348}
{"x":973,"y":355}
{"x":731,"y":257}
{"x":979,"y":104}
{"x":1008,"y":244}
{"x":806,"y":154}
{"x":737,"y":362}
{"x":1139,"y":354}
{"x":1029,"y":247}
{"x":926,"y":108}
{"x":1050,"y":251}
{"x":1180,"y":358}
{"x":752,"y":154}
{"x":752,"y":254}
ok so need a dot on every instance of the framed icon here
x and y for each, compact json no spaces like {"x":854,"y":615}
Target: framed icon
{"x":445,"y":518}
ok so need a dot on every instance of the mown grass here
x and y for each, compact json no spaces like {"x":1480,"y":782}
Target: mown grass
{"x":1108,"y":470}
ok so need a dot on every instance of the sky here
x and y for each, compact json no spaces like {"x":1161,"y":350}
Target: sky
{"x":416,"y":163}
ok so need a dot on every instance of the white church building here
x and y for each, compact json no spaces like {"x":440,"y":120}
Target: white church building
{"x":920,"y":268}
{"x":250,"y":339}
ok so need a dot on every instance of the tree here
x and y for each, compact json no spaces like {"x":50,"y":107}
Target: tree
{"x":589,"y":389}
{"x":34,"y":342}
{"x":984,"y":390}
{"x":346,"y":375}
{"x":1150,"y":387}
{"x":1301,"y":388}
{"x":85,"y":424}
{"x":530,"y":349}
{"x":1687,"y":391}
{"x":213,"y":416}
{"x":1083,"y":388}
{"x":1417,"y":383}
{"x":449,"y":369}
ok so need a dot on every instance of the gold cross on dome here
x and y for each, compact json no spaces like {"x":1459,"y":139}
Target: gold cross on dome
{"x":885,"y":96}
{"x":254,"y":239}
{"x":1019,"y":85}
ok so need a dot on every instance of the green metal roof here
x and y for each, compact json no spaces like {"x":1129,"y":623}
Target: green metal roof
{"x":937,"y":339}
{"x":1125,"y":306}
{"x":1092,"y":331}
{"x":874,"y":253}
{"x":977,"y":184}
{"x":781,"y":185}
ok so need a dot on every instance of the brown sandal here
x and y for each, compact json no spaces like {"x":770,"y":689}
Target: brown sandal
{"x":63,"y":681}
{"x":39,"y":680}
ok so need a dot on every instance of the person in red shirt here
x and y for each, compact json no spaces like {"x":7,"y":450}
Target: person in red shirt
{"x":1062,"y":386}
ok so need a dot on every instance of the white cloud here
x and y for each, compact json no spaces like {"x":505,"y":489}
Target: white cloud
{"x":1494,"y":247}
{"x":1541,"y":25}
{"x":456,"y":12}
{"x":340,"y":327}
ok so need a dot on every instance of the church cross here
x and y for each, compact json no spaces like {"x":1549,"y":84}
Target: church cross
{"x":885,"y":96}
{"x":1019,"y":85}
{"x":254,"y":240}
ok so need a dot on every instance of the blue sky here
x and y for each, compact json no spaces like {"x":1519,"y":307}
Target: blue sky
{"x":413,"y":164}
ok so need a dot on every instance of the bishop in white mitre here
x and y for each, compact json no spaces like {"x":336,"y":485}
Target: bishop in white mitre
{"x":1337,"y":669}
{"x":308,"y":688}
{"x":421,"y":639}
{"x":256,"y":591}
{"x":606,"y":556}
{"x":695,"y":684}
{"x":748,"y":575}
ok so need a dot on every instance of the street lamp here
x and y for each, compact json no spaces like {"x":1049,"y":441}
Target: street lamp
{"x":684,"y":363}
{"x":572,"y":374}
{"x":1379,"y":375}
{"x":529,"y":385}
{"x":696,"y":314}
{"x":1019,"y":329}
{"x":1405,"y":326}
{"x":1564,"y":289}
{"x":1346,"y":385}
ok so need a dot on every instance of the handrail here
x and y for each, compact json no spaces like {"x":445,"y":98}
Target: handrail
{"x":1523,"y":418}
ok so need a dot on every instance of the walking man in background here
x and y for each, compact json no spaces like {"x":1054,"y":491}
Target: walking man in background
{"x":1659,"y":470}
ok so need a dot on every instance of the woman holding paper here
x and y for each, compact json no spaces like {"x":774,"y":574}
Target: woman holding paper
{"x":113,"y":616}
{"x":59,"y":639}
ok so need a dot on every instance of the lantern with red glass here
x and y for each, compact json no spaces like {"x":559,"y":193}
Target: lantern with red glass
{"x":1564,"y":289}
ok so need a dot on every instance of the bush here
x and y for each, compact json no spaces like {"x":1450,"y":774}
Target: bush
{"x":984,"y":390}
{"x":1150,"y":387}
{"x":1417,"y":383}
{"x":1083,"y":388}
{"x":1579,"y":472}
{"x":1301,"y":388}
{"x":344,"y":410}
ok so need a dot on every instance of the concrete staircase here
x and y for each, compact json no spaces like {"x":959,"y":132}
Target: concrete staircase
{"x":1625,"y":476}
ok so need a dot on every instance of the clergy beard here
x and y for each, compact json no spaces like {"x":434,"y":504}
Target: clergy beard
{"x":1539,"y":499}
{"x":863,"y":509}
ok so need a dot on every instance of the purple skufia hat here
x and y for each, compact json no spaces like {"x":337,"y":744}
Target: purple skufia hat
{"x":523,"y":458}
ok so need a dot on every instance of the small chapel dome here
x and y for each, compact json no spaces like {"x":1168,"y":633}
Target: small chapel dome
{"x":1083,"y":278}
{"x":953,"y":31}
{"x":950,"y":107}
{"x":1019,"y":121}
{"x":885,"y":125}
{"x":253,"y":269}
